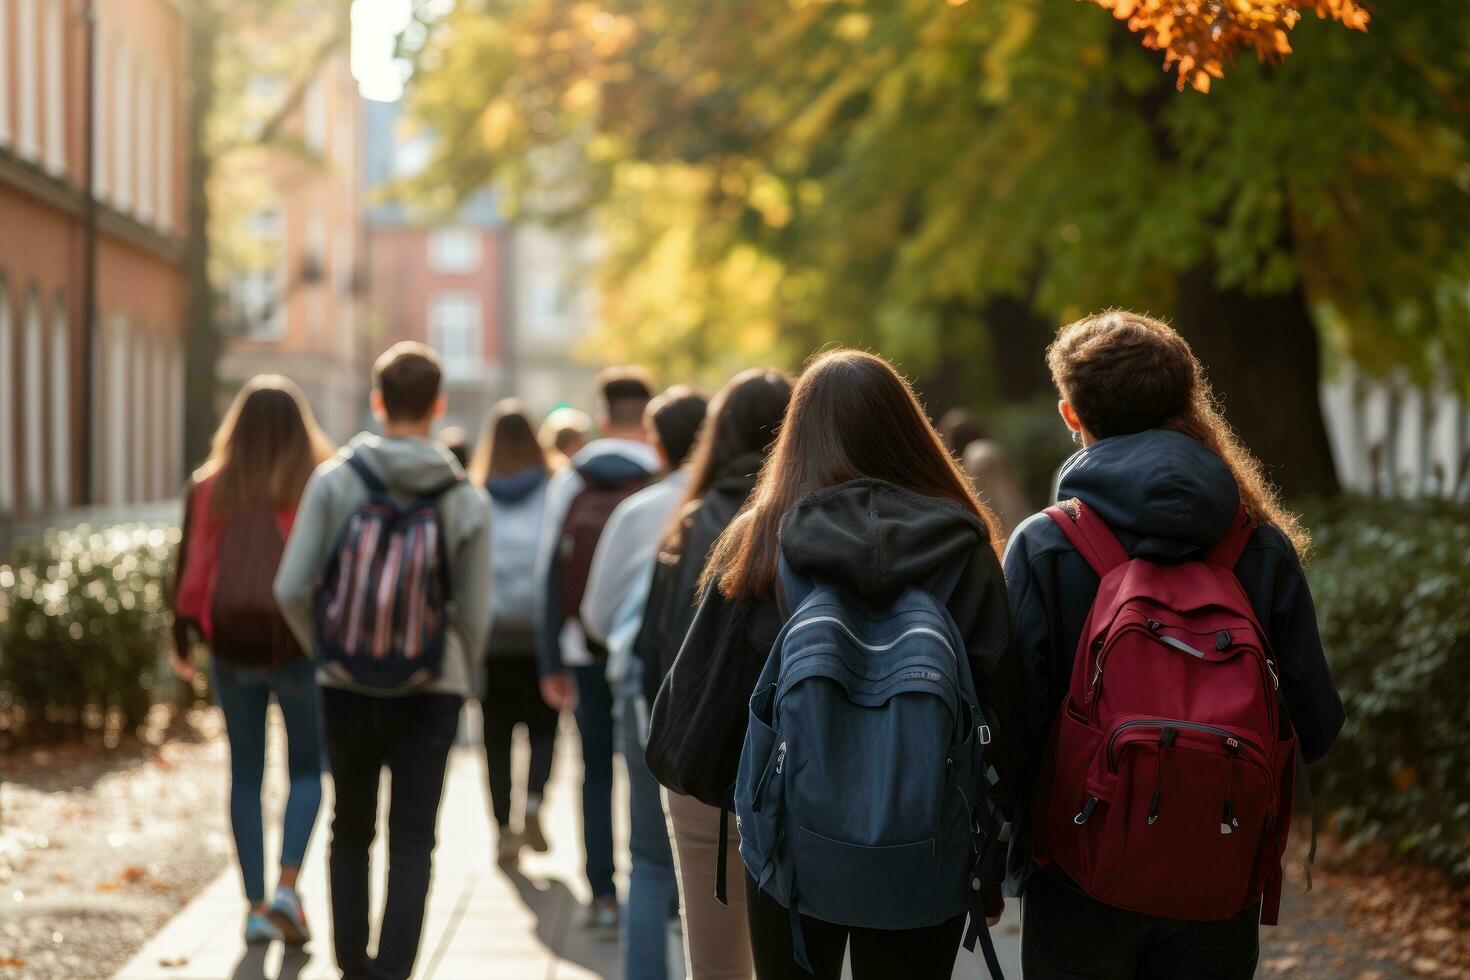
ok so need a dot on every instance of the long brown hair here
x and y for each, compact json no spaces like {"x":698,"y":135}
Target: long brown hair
{"x":743,"y":420}
{"x":1123,"y":372}
{"x":508,"y":445}
{"x":265,"y":449}
{"x":851,"y":416}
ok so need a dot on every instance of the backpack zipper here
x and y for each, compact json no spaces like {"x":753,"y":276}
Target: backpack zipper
{"x":1224,"y":733}
{"x":1166,"y":742}
{"x":875,"y":648}
{"x":780,"y":758}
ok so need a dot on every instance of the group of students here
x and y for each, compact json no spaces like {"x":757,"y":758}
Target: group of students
{"x":760,"y":601}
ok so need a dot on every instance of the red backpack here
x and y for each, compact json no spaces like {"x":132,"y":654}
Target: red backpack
{"x":1171,"y":762}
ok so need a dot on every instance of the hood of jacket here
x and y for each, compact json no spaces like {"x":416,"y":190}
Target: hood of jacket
{"x":516,"y":487}
{"x":877,"y":538}
{"x":409,"y":466}
{"x":612,"y":462}
{"x":1164,"y":494}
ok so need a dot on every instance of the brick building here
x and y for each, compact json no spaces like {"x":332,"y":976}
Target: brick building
{"x":132,"y":117}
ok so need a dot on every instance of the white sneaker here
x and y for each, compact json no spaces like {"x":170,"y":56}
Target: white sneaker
{"x":289,"y":917}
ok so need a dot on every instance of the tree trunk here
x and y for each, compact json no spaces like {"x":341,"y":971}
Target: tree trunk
{"x":1261,"y":355}
{"x":201,"y":326}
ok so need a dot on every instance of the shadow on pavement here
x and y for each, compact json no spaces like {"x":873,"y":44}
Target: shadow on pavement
{"x":252,"y":965}
{"x":556,"y":909}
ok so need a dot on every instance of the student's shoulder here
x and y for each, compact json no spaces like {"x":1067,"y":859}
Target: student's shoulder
{"x":1036,"y":536}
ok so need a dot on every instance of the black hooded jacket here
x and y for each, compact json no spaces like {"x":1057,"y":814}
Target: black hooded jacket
{"x":1167,"y":497}
{"x":877,"y":539}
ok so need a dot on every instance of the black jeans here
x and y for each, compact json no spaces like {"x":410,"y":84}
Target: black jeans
{"x":513,"y":697}
{"x":877,"y":954}
{"x":595,"y":724}
{"x":411,"y":736}
{"x":1067,"y":935}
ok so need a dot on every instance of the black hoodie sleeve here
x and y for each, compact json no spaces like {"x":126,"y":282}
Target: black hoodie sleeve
{"x":1288,"y":615}
{"x":984,"y":619}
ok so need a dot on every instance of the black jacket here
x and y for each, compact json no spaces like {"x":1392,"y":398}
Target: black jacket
{"x":877,"y":539}
{"x":1166,"y":496}
{"x":672,"y":597}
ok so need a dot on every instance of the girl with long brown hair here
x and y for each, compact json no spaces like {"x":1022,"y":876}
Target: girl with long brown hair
{"x":860,"y":491}
{"x":1161,"y":467}
{"x":239,"y":508}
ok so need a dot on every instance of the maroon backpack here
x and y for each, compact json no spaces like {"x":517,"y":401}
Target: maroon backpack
{"x":580,"y":532}
{"x":1167,"y":784}
{"x":247,"y":626}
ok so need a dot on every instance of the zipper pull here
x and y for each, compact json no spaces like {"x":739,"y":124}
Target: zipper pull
{"x":1087,"y":808}
{"x":780,"y":758}
{"x":1166,"y":742}
{"x":1271,"y":669}
{"x":1228,"y":823}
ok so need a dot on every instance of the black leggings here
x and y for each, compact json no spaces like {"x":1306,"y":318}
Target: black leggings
{"x":877,"y":954}
{"x":513,"y":697}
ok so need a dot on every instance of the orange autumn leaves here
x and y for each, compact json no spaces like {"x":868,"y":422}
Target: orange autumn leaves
{"x":1199,"y":37}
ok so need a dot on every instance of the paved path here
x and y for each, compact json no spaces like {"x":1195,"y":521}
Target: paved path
{"x":483,"y":923}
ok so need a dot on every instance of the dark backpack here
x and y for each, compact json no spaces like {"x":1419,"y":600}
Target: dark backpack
{"x":381,"y":609}
{"x":862,"y":796}
{"x":580,"y":532}
{"x":1167,"y":784}
{"x":248,"y":627}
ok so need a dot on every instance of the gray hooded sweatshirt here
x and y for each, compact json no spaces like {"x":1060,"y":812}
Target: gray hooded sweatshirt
{"x":410,"y":467}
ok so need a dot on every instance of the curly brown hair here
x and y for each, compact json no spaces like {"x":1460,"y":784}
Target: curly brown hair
{"x":1124,"y":372}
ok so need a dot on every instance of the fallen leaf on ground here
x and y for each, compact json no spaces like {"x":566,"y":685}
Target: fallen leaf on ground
{"x":172,"y":961}
{"x":1283,"y":964}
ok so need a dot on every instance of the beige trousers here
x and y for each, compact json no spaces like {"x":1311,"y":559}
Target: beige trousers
{"x":716,"y":937}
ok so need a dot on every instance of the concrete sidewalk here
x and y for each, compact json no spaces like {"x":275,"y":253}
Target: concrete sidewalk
{"x":482,"y":923}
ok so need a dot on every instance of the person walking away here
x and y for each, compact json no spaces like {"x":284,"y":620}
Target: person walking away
{"x":744,"y":418}
{"x":863,"y":512}
{"x":512,"y":467}
{"x":386,"y":576}
{"x":612,"y":610}
{"x":238,"y":509}
{"x":989,"y":467}
{"x":579,"y":500}
{"x":1213,"y":668}
{"x":457,"y":441}
{"x":563,"y":434}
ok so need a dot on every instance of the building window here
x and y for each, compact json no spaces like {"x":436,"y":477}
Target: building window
{"x":7,"y":405}
{"x":140,"y":437}
{"x":454,"y":330}
{"x":166,"y":150}
{"x":122,"y":127}
{"x":256,"y":293}
{"x":314,"y":109}
{"x":117,"y":416}
{"x":55,"y":88}
{"x":60,"y":405}
{"x":144,"y":141}
{"x":26,"y":48}
{"x":35,"y":406}
{"x":455,"y":251}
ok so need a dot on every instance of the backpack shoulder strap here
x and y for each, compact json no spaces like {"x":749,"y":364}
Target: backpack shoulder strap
{"x":365,"y":473}
{"x":1089,"y":534}
{"x":1227,"y":551}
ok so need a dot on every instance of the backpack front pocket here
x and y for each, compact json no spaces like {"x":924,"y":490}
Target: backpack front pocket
{"x":1188,"y":806}
{"x":758,"y":789}
{"x":838,"y":881}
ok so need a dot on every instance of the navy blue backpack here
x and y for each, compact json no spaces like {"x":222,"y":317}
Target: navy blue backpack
{"x":862,"y":796}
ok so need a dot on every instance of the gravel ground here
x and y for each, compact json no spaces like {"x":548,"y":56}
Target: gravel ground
{"x":100,"y":847}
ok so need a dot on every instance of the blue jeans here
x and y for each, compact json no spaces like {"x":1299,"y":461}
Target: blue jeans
{"x":594,"y":722}
{"x":653,"y":888}
{"x":244,"y":695}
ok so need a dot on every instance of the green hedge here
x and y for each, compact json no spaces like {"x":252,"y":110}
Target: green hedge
{"x":1392,"y":585}
{"x":84,"y":628}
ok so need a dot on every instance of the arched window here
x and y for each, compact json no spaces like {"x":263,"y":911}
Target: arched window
{"x":8,"y":396}
{"x":145,"y":107}
{"x":101,"y":117}
{"x":122,"y":128}
{"x":139,"y":437}
{"x":117,"y":416}
{"x":55,"y":87}
{"x":61,"y":404}
{"x":25,"y":49}
{"x":34,"y":420}
{"x":159,"y":380}
{"x":166,"y":150}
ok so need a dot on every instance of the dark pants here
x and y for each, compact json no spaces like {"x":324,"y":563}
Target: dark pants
{"x":513,"y":697}
{"x":1067,"y":935}
{"x":412,"y":737}
{"x":877,"y":954}
{"x":595,"y":723}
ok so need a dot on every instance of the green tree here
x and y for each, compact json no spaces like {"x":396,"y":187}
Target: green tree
{"x":946,"y":182}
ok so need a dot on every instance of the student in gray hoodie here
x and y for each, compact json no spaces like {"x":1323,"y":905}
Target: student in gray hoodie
{"x":408,"y":730}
